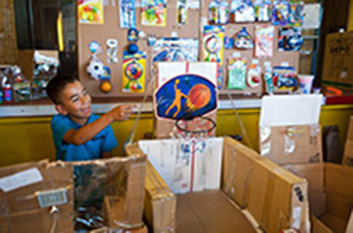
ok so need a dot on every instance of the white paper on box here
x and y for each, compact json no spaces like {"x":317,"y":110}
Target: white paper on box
{"x":284,"y":110}
{"x":186,"y":166}
{"x":52,"y":197}
{"x":20,"y":179}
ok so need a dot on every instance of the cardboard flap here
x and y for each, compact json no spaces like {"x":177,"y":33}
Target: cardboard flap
{"x":283,"y":110}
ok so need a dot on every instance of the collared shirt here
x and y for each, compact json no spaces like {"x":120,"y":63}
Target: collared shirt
{"x":104,"y":141}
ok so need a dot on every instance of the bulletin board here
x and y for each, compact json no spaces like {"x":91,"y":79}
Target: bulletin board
{"x":197,"y":17}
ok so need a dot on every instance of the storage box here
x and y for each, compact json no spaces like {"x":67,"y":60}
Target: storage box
{"x":289,"y":129}
{"x":36,"y":197}
{"x":274,"y":197}
{"x":109,"y":192}
{"x":330,"y":194}
{"x":337,"y":68}
{"x":348,"y":149}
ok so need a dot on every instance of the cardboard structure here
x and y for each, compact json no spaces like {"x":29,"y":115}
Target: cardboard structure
{"x":275,"y":198}
{"x":56,"y":197}
{"x":348,"y":150}
{"x":330,"y":195}
{"x":289,"y":129}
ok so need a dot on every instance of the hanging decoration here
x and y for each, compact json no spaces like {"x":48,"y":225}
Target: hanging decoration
{"x":153,"y":12}
{"x":127,"y":14}
{"x":243,"y":39}
{"x":264,"y":41}
{"x":218,"y":12}
{"x":90,"y":11}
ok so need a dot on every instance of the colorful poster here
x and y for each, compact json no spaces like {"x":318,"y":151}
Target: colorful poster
{"x":264,"y":41}
{"x":90,"y":11}
{"x":154,"y":12}
{"x":133,"y":73}
{"x":213,"y":44}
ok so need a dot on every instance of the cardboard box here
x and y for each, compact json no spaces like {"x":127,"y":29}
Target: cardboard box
{"x":334,"y":183}
{"x":110,"y":192}
{"x":160,"y":203}
{"x":36,"y":197}
{"x":289,"y":129}
{"x":348,"y":149}
{"x":108,"y":230}
{"x":337,"y":69}
{"x":275,"y":198}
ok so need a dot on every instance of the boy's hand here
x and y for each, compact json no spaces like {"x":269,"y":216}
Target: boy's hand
{"x":121,"y":113}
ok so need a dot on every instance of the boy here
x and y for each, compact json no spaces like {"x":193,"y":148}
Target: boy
{"x":78,"y":134}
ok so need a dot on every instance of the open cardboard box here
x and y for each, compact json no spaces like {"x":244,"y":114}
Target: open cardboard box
{"x":348,"y":150}
{"x":330,"y":195}
{"x":273,"y":198}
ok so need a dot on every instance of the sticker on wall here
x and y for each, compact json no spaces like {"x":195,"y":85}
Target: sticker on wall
{"x":90,"y":11}
{"x":290,"y":39}
{"x":237,"y":73}
{"x":296,"y":15}
{"x":264,"y":41}
{"x":263,"y":9}
{"x":175,"y":49}
{"x":127,"y":12}
{"x":243,"y":39}
{"x":218,"y":12}
{"x":112,"y":50}
{"x":153,"y":12}
{"x":133,"y":72}
{"x":213,"y":39}
{"x":254,"y":74}
{"x":243,"y":11}
{"x":182,"y":12}
{"x":280,"y":13}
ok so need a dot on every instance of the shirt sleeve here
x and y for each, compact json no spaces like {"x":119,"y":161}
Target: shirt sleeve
{"x":60,"y":126}
{"x":110,"y":141}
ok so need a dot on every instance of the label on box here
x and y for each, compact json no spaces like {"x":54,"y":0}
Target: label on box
{"x":20,"y":179}
{"x":52,"y":197}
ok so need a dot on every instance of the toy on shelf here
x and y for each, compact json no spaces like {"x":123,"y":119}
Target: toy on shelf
{"x":280,"y":13}
{"x":243,"y":11}
{"x":218,"y":12}
{"x":213,"y":38}
{"x":90,"y":11}
{"x":254,"y":74}
{"x":133,"y":73}
{"x":285,"y":78}
{"x":243,"y":39}
{"x":127,"y":13}
{"x":237,"y":73}
{"x":263,"y":9}
{"x":153,"y":12}
{"x":264,"y":41}
{"x":290,"y":39}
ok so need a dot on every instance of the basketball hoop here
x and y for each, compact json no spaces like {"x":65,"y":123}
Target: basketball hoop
{"x":198,"y":127}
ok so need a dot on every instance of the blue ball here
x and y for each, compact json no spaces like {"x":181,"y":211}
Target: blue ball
{"x":132,"y":48}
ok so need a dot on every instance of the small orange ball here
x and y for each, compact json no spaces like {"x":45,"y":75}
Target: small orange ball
{"x":105,"y":87}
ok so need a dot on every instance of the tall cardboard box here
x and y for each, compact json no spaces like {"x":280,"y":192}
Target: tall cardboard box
{"x":275,"y":198}
{"x":289,"y":129}
{"x":36,"y":197}
{"x":330,"y":195}
{"x":348,"y":149}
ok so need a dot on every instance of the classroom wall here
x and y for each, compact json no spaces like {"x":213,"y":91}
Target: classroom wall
{"x":30,"y":139}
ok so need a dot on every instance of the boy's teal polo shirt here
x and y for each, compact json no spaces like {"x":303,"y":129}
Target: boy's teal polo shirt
{"x":104,"y":141}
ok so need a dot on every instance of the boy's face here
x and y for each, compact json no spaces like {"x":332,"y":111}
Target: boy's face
{"x":75,"y":102}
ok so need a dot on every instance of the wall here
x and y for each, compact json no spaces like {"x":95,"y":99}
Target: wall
{"x":27,"y":139}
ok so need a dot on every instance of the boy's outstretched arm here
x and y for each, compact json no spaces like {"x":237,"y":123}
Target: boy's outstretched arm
{"x":87,"y":132}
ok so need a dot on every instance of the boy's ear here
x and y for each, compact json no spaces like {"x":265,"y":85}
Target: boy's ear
{"x":61,"y":109}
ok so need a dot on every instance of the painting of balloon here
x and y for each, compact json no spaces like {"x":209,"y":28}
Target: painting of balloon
{"x":185,"y":97}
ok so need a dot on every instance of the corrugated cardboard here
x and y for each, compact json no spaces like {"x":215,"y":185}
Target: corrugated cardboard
{"x":20,"y":209}
{"x":337,"y":69}
{"x":348,"y":150}
{"x":276,"y":198}
{"x":160,"y":202}
{"x":108,"y":230}
{"x":211,"y":212}
{"x":112,"y":189}
{"x":337,"y":189}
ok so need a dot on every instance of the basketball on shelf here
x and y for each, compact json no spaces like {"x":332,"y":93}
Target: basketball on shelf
{"x":198,"y":96}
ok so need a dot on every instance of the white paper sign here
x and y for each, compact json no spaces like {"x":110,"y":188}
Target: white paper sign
{"x":311,"y":13}
{"x":20,"y":179}
{"x":186,"y":166}
{"x":284,"y":110}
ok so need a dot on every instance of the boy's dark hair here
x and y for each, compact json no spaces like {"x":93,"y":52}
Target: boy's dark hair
{"x":57,"y":84}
